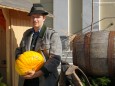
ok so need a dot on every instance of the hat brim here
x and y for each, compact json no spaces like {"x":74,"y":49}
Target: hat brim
{"x":38,"y":12}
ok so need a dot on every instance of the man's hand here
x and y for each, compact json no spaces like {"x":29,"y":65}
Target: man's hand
{"x":29,"y":74}
{"x":32,"y":74}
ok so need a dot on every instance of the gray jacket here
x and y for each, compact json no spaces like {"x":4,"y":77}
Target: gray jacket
{"x":51,"y":43}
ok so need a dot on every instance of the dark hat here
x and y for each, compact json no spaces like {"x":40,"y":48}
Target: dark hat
{"x":37,"y":9}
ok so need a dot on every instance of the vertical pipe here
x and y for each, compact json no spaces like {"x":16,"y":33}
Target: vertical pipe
{"x":92,"y":17}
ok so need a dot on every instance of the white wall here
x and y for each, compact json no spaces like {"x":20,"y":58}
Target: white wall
{"x":60,"y":10}
{"x":75,"y":16}
{"x":87,"y":15}
{"x":48,"y":5}
{"x":35,"y":1}
{"x":107,"y":11}
{"x":67,"y":16}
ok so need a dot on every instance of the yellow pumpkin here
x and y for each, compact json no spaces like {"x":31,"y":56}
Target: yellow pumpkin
{"x":29,"y":60}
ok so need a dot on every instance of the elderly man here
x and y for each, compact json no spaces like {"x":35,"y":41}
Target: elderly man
{"x":40,"y":37}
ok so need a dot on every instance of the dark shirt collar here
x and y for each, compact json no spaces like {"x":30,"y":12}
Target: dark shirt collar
{"x":36,"y":32}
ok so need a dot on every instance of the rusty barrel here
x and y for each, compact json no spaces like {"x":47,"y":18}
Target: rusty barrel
{"x":94,"y":53}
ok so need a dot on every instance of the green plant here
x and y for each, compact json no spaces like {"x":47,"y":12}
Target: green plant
{"x":97,"y":81}
{"x":101,"y":81}
{"x":1,"y":83}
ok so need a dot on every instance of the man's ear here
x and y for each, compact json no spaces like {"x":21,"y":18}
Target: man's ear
{"x":44,"y":17}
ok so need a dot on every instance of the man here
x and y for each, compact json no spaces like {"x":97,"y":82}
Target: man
{"x":40,"y":37}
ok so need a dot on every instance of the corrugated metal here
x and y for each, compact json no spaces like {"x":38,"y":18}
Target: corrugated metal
{"x":21,"y":5}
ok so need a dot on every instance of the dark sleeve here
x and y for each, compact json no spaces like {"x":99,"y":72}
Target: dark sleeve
{"x":19,"y":50}
{"x":56,"y":53}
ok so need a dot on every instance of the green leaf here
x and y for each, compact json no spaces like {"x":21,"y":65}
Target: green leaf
{"x":97,"y":81}
{"x":1,"y":79}
{"x":2,"y":84}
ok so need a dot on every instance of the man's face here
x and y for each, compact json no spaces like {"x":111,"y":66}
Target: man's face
{"x":37,"y":20}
